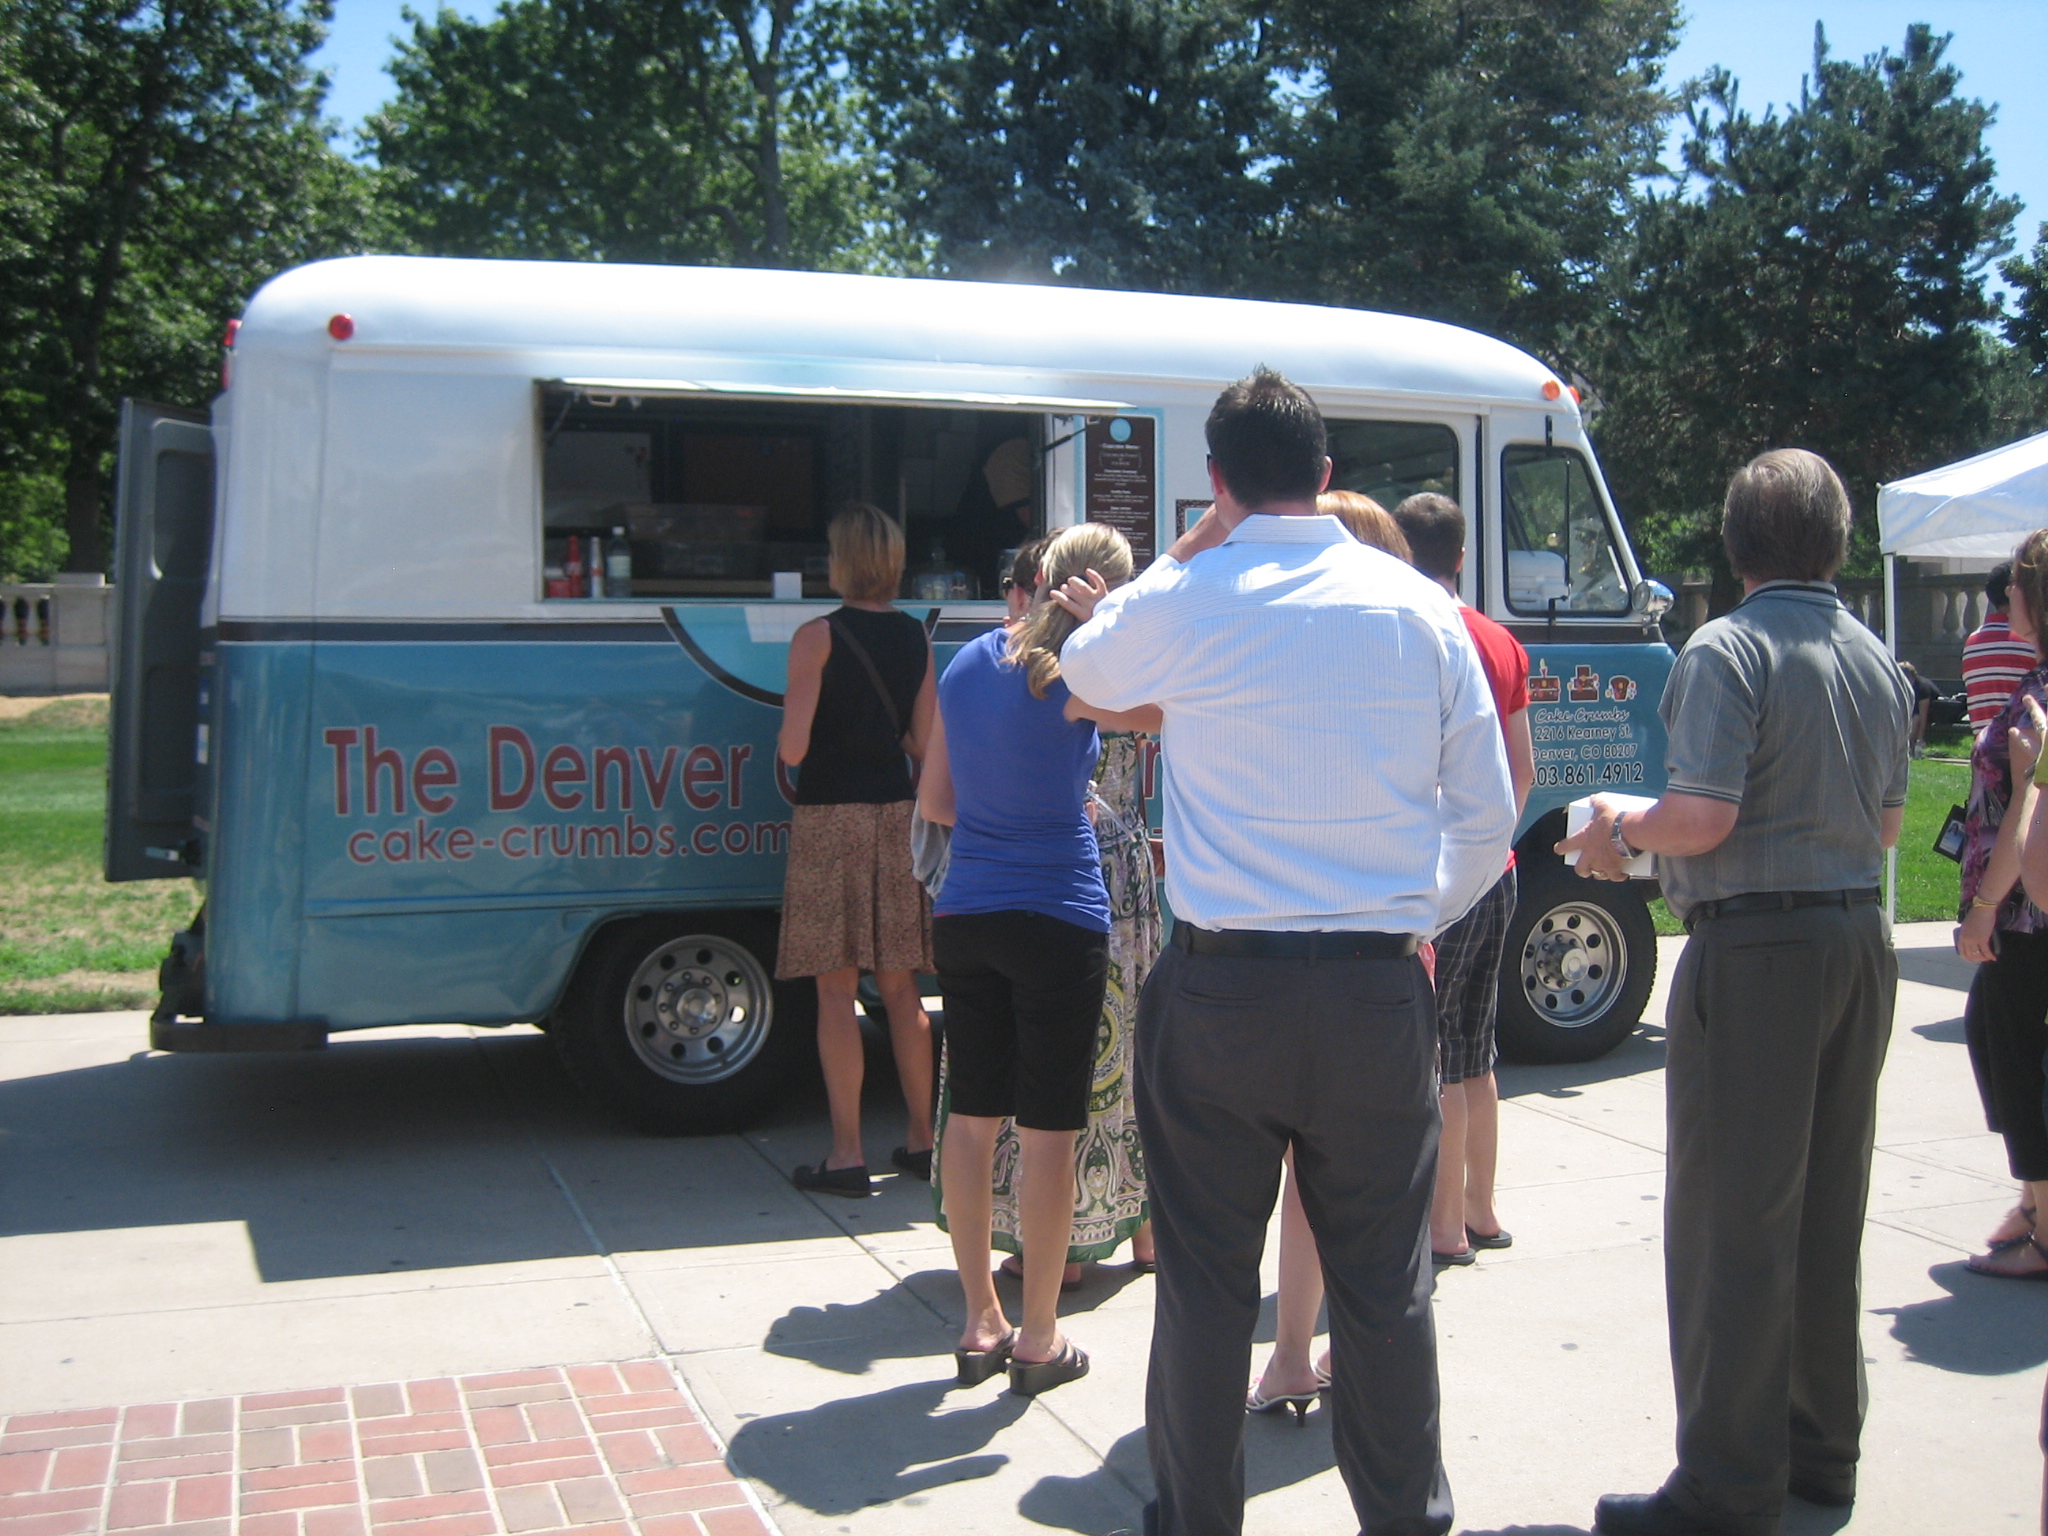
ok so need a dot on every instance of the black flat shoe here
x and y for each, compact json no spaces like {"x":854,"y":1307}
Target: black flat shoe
{"x":917,"y":1164}
{"x":1029,"y":1378}
{"x":1497,"y":1240}
{"x":974,"y":1366}
{"x":1650,"y":1514}
{"x":1453,"y":1260}
{"x":853,"y":1182}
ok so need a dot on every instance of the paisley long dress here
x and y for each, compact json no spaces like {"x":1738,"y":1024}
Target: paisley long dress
{"x":1109,"y":1168}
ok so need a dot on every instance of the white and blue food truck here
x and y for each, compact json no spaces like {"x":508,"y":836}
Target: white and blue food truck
{"x":453,"y":641}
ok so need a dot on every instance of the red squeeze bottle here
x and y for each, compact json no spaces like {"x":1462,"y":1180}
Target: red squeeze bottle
{"x":572,"y":568}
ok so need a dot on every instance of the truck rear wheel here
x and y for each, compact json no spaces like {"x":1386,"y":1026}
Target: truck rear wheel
{"x":676,"y":1023}
{"x":1581,"y":958}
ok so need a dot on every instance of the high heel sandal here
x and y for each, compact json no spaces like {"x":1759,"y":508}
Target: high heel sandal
{"x":974,"y":1366}
{"x":1300,"y":1402}
{"x":1028,"y":1378}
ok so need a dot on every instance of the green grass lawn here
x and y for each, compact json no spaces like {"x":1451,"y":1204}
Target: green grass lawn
{"x":1928,"y":883}
{"x":70,"y":942}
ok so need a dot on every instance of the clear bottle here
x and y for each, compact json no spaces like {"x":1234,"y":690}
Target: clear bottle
{"x":935,"y":581}
{"x":618,"y":566}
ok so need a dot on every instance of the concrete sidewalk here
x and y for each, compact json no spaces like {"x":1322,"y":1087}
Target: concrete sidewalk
{"x":417,"y":1204}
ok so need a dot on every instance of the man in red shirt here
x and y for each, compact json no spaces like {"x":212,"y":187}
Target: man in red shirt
{"x":1468,"y":953}
{"x":1993,"y":661}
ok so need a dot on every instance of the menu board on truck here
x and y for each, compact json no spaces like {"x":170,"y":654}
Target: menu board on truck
{"x":1121,"y":481}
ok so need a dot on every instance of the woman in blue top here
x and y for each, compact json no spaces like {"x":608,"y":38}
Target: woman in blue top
{"x":1020,"y":934}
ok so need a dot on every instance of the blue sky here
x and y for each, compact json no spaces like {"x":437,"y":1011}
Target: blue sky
{"x":2001,"y":46}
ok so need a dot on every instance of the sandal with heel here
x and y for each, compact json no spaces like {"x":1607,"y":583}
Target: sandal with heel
{"x":974,"y":1366}
{"x":1298,"y":1403}
{"x":1028,"y":1378}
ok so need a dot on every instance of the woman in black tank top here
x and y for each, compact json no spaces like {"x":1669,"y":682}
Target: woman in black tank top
{"x":858,"y":707}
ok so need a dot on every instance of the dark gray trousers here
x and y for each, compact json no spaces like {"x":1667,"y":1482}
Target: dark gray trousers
{"x":1777,"y":1032}
{"x":1236,"y":1060}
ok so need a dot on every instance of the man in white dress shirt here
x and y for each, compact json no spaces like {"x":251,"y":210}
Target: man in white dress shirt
{"x":1336,"y":792}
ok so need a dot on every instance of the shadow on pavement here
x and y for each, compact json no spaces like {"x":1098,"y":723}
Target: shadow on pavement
{"x":1983,"y":1327}
{"x":1277,"y":1454}
{"x":850,"y":1338}
{"x":1944,"y":1032}
{"x":386,"y":1154}
{"x":1936,"y":965}
{"x":861,"y":1451}
{"x":1641,"y":1052}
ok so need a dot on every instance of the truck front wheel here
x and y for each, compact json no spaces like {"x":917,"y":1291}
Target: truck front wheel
{"x":676,"y":1023}
{"x":1581,"y":958}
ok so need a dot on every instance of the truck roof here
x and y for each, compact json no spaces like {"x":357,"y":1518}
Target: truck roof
{"x":650,"y":323}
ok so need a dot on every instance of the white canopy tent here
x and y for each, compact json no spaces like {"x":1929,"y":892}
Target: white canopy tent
{"x":1975,"y":509}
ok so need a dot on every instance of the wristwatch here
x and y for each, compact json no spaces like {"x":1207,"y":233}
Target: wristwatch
{"x":1620,"y":843}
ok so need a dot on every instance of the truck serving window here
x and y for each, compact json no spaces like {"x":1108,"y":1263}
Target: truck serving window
{"x":1559,"y":545}
{"x":689,"y":497}
{"x":1393,"y":460}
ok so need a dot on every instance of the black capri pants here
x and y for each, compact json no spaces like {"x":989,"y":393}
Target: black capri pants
{"x":2006,"y":1024}
{"x":1023,"y":998}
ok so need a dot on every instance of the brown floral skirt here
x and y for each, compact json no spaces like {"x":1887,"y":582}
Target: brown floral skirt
{"x":848,"y":896}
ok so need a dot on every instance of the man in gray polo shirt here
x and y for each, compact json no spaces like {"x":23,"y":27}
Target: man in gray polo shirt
{"x":1787,"y":724}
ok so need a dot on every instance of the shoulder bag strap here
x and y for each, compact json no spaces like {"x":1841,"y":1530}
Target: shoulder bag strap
{"x":860,"y":654}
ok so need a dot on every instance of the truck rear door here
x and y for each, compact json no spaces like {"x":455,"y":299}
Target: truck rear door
{"x":163,"y":543}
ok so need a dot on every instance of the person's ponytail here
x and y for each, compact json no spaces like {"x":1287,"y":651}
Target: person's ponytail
{"x":1035,"y":642}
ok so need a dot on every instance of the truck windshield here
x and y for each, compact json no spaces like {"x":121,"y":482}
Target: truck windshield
{"x":1560,"y":546}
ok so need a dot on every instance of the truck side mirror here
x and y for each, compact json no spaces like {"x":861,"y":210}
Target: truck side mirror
{"x":1649,"y":599}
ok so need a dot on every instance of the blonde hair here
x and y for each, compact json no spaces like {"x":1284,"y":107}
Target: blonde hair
{"x":1035,"y":643}
{"x":867,"y":553}
{"x":1366,"y":521}
{"x":2030,"y":579}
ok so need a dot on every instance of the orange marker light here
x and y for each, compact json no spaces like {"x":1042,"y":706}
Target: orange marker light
{"x":1574,"y":391}
{"x":1551,"y":388}
{"x":341,"y":327}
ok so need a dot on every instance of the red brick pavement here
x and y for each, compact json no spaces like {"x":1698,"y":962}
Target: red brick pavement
{"x":598,"y":1450}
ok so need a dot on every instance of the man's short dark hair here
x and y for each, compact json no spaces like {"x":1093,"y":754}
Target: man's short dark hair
{"x":1267,"y":439}
{"x":1435,"y":526}
{"x":1786,"y":518}
{"x":1997,"y":581}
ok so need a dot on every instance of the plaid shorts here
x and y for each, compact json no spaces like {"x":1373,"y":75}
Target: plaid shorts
{"x":1468,"y":957}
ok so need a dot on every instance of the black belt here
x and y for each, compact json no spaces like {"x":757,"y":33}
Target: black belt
{"x":1268,"y":944}
{"x":1782,"y":901}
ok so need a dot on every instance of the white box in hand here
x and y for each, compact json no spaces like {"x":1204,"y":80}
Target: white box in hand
{"x":1643,"y":866}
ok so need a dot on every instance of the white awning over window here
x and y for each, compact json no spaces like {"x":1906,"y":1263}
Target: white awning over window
{"x":658,"y":389}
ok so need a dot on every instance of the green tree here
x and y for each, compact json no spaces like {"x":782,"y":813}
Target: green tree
{"x":2027,"y":327}
{"x":1815,"y":280}
{"x":1466,"y":160}
{"x":713,"y":131}
{"x":1109,"y":143}
{"x":161,"y":160}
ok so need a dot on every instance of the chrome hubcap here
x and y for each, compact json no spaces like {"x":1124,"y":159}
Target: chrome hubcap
{"x":1574,"y":963}
{"x":698,"y":1009}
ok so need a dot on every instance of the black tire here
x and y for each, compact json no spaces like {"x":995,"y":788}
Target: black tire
{"x":1580,"y":960}
{"x":676,"y":1024}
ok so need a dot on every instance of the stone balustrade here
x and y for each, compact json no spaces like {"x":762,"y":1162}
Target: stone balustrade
{"x":1936,"y":614}
{"x":56,"y":637}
